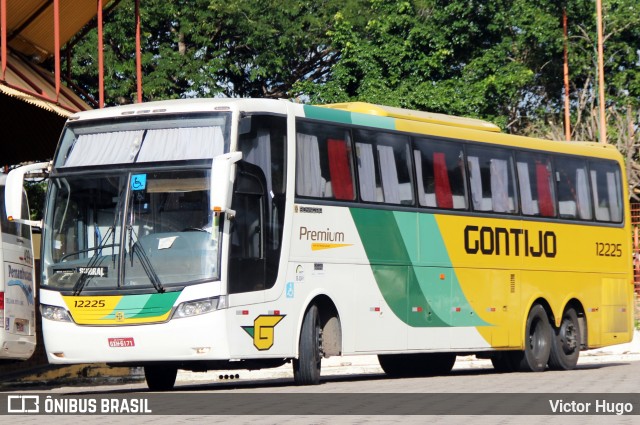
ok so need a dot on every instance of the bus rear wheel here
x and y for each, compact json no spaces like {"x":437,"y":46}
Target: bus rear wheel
{"x":537,"y":343}
{"x":565,"y":343}
{"x":423,"y":364}
{"x":306,"y":368}
{"x":160,"y":378}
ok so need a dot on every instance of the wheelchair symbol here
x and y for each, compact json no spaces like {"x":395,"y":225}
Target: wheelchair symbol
{"x":138,"y":182}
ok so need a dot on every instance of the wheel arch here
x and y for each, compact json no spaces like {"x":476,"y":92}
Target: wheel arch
{"x":330,"y":323}
{"x":547,"y":308}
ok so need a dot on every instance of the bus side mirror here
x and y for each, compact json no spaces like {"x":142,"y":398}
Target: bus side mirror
{"x":14,"y":189}
{"x":222,"y":181}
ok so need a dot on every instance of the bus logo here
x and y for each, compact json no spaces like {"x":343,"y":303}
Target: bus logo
{"x":262,"y":330}
{"x":119,"y":316}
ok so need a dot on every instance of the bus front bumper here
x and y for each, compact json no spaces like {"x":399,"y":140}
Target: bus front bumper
{"x":201,"y":337}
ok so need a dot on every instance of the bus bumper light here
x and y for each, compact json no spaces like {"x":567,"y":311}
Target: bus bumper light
{"x":202,"y":350}
{"x":58,"y":355}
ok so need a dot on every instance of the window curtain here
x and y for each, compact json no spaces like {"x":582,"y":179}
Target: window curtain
{"x":389,"y":173}
{"x":339,"y":169}
{"x":366,"y":172}
{"x":499,"y":185}
{"x":614,"y":189}
{"x":308,"y":174}
{"x":444,"y":199}
{"x":476,"y":182}
{"x":118,"y":147}
{"x":259,"y":153}
{"x":596,"y":196}
{"x":584,"y":207}
{"x":526,"y":198}
{"x":543,"y":183}
{"x":422,"y":197}
{"x":175,"y":144}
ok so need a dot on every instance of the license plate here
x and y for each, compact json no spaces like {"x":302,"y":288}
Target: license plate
{"x":121,"y":342}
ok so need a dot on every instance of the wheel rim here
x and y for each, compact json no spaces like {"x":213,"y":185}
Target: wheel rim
{"x":318,"y":335}
{"x":568,"y":336}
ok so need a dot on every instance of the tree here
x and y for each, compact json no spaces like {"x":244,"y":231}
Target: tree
{"x":499,"y":60}
{"x":212,"y":47}
{"x":485,"y":59}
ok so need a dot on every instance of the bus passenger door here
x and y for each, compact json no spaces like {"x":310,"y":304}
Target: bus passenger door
{"x":247,"y":263}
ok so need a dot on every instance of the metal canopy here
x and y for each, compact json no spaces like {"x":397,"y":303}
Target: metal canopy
{"x":33,"y":102}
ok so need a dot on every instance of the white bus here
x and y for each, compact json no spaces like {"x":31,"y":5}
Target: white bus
{"x":243,"y":234}
{"x":17,"y":288}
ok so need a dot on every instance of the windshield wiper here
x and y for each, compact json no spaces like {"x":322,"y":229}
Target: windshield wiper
{"x":84,"y":277}
{"x":148,"y":268}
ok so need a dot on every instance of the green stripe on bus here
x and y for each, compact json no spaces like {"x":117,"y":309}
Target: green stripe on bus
{"x":328,"y":114}
{"x":158,"y":304}
{"x":148,"y":305}
{"x":412,"y":269}
{"x":373,"y":121}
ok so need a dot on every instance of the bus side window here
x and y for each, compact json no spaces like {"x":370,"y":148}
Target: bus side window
{"x":572,"y":188}
{"x":440,"y":174}
{"x":536,"y":185}
{"x":492,"y":180}
{"x":384,"y":167}
{"x":606,"y":190}
{"x":324,"y":162}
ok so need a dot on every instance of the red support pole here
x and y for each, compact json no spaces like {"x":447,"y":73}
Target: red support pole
{"x":3,"y":24}
{"x":56,"y":41}
{"x":567,"y":113}
{"x":138,"y":54}
{"x":100,"y":58}
{"x":603,"y":118}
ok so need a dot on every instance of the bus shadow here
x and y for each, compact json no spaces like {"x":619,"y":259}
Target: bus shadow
{"x":225,"y":386}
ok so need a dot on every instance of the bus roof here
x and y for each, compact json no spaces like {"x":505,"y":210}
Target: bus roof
{"x":411,"y":115}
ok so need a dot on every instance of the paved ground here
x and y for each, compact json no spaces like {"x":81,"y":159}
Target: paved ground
{"x":369,"y":364}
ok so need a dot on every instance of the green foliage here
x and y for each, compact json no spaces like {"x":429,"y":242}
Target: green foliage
{"x":500,"y":60}
{"x":482,"y":59}
{"x":200,"y":48}
{"x":36,"y":197}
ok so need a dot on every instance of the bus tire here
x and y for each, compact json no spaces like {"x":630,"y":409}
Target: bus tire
{"x":306,"y":368}
{"x":160,"y":378}
{"x":537,"y":341}
{"x":565,"y":343}
{"x":423,"y":364}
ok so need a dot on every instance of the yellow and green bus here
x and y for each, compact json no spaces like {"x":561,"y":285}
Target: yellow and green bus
{"x":244,"y":233}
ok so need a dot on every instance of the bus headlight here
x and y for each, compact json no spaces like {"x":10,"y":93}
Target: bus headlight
{"x":58,"y":314}
{"x":194,"y":308}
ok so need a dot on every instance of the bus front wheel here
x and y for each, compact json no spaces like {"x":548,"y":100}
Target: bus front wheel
{"x":565,"y":343}
{"x":306,"y":368}
{"x":160,"y":378}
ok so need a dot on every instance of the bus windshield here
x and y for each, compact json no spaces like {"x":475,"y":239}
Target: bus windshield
{"x":130,"y":230}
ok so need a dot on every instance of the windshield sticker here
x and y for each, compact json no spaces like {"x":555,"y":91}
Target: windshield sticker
{"x":165,"y":243}
{"x":138,"y":182}
{"x":89,"y":271}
